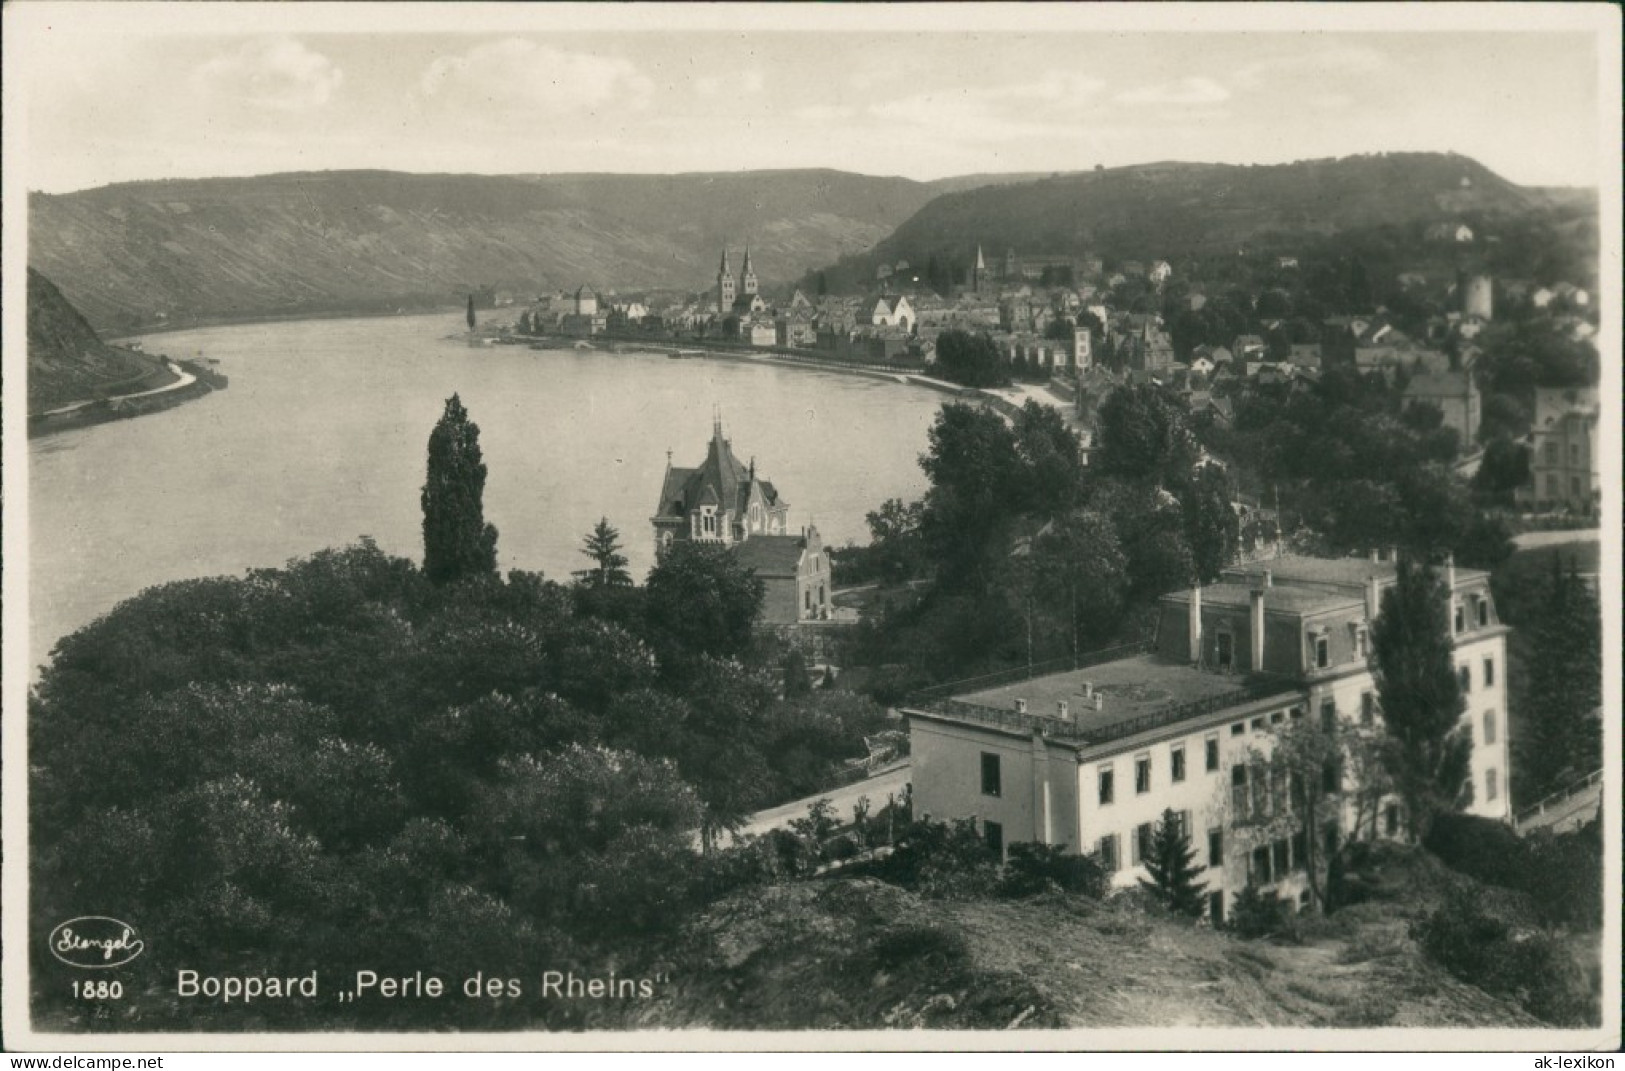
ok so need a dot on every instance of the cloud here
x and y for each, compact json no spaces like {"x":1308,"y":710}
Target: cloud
{"x":521,"y":74}
{"x":823,"y":113}
{"x":1192,"y":90}
{"x":1337,"y":60}
{"x":745,"y":84}
{"x":1043,"y":107}
{"x":275,"y":73}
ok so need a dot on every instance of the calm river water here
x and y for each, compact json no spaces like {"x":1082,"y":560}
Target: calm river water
{"x":321,"y":439}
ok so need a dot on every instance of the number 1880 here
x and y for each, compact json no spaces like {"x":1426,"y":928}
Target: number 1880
{"x":98,"y":990}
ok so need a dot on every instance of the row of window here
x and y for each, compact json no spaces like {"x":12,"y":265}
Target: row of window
{"x":1107,"y":848}
{"x":1106,"y":777}
{"x":1550,"y":455}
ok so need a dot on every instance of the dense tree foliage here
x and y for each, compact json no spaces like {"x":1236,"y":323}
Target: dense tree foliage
{"x":1563,"y":697}
{"x":342,"y":763}
{"x":702,"y":602}
{"x":972,"y":360}
{"x":457,"y":542}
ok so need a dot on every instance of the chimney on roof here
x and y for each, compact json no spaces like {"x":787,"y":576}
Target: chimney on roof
{"x":1450,"y":572}
{"x":1256,"y":616}
{"x":1021,"y":705}
{"x":1195,"y":625}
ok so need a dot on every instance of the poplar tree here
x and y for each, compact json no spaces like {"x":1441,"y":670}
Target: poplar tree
{"x":1428,"y":750}
{"x":457,"y":543}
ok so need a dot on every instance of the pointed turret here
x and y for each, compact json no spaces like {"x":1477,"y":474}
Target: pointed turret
{"x":725,"y":285}
{"x":749,"y":275}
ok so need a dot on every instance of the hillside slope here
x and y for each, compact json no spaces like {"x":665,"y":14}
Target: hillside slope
{"x":1174,"y":210}
{"x":67,"y":362}
{"x":861,"y":954}
{"x":179,"y":251}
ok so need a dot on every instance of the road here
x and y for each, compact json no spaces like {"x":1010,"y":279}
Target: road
{"x":185,"y":379}
{"x":886,"y":783}
{"x":1530,"y":540}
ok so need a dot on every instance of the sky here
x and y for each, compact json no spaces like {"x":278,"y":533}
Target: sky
{"x":924,"y":92}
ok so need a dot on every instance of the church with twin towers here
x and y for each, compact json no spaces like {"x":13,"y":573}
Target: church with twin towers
{"x":741,"y":295}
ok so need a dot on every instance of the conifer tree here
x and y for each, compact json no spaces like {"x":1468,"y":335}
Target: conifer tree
{"x":1428,"y":751}
{"x":457,"y":543}
{"x":1172,"y":866}
{"x":603,"y":546}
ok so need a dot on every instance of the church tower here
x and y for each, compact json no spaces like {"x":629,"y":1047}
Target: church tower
{"x":978,"y":273}
{"x":749,"y":274}
{"x":725,"y":285}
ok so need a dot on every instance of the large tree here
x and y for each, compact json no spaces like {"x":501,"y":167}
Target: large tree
{"x":1144,"y":436}
{"x":603,"y":546}
{"x":1428,"y":750}
{"x":976,"y":485}
{"x":701,"y":601}
{"x":1083,"y":575}
{"x":457,"y":541}
{"x":1320,"y":772}
{"x":1052,"y":456}
{"x":972,"y":360}
{"x":1564,"y":694}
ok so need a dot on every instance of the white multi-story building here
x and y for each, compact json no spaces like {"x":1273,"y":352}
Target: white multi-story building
{"x":1091,"y":758}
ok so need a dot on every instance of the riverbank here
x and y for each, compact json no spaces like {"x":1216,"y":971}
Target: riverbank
{"x":193,"y":380}
{"x":283,"y":318}
{"x":777,"y":356}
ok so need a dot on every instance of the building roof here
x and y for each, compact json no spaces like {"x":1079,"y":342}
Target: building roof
{"x":771,"y":555}
{"x":721,"y":480}
{"x":1137,"y":693}
{"x":1292,"y":600}
{"x":1439,"y":384}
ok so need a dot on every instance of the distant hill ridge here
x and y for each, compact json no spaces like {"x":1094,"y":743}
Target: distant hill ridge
{"x":1172,"y":209}
{"x":143,"y":253}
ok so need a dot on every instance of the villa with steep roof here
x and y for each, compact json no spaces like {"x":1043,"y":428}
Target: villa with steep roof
{"x":724,"y":501}
{"x":1091,"y":758}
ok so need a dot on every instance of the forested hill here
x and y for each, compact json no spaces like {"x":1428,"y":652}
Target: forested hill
{"x":178,"y":251}
{"x":66,"y":361}
{"x":1174,"y":210}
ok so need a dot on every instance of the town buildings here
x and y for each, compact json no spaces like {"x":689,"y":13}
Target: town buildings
{"x":1455,"y":395}
{"x":725,"y":502}
{"x":1091,"y":758}
{"x":1564,"y":468}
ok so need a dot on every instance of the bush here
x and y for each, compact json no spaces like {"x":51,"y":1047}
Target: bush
{"x":1562,"y":873}
{"x":1258,"y":914}
{"x":938,"y":859}
{"x":920,"y":946}
{"x":1535,"y":970}
{"x":1035,"y":868}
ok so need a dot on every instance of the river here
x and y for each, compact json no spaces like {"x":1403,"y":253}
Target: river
{"x":321,"y":438}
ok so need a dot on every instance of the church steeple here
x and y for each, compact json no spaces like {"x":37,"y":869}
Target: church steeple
{"x":725,"y":284}
{"x":749,"y":274}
